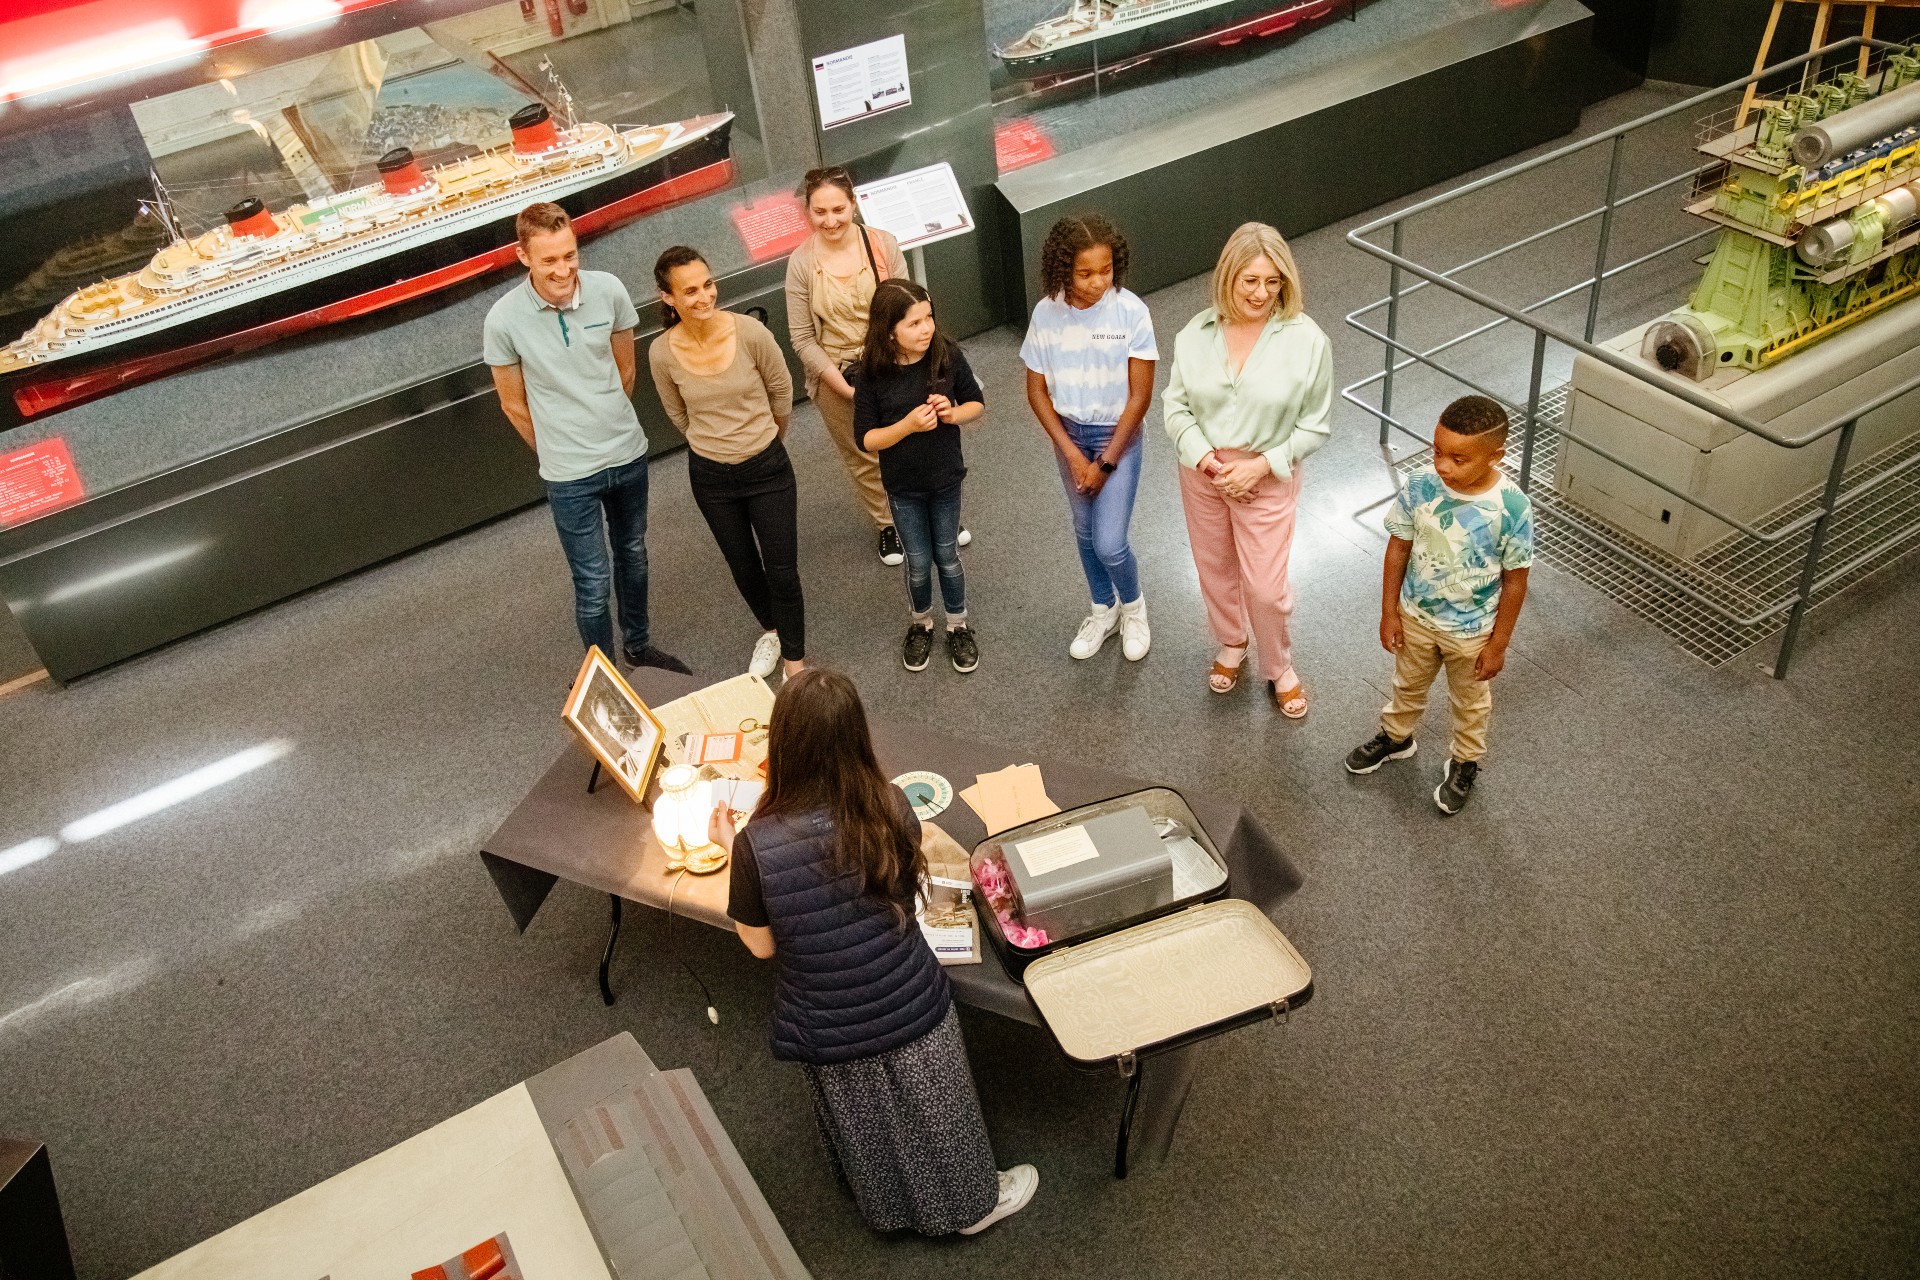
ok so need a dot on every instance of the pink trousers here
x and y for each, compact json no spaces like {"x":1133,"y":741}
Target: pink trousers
{"x":1241,"y":550}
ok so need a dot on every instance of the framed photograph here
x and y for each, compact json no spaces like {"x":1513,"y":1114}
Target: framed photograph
{"x":624,"y":736}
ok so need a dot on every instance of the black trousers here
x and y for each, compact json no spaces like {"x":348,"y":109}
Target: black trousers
{"x":753,"y":508}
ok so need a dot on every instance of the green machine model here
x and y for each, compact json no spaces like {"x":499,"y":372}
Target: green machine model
{"x":1799,"y":314}
{"x":1820,"y":206}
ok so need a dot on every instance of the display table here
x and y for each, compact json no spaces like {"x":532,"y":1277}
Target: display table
{"x":33,"y":1239}
{"x":598,"y":1167}
{"x":603,"y":840}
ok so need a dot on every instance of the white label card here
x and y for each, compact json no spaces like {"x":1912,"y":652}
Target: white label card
{"x":1055,"y":850}
{"x":918,"y":207}
{"x":855,"y":83}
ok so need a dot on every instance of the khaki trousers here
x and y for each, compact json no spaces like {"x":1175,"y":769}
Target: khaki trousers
{"x":862,"y":468}
{"x":1423,"y":651}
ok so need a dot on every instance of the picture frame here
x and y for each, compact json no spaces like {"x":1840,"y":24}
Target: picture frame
{"x":617,"y":727}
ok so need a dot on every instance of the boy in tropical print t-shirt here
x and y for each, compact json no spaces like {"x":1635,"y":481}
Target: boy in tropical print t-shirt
{"x":1461,"y":540}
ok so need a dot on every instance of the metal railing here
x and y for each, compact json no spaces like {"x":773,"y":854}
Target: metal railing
{"x":1400,"y":355}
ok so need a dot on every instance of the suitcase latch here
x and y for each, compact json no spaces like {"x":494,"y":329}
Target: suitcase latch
{"x":1126,"y":1063}
{"x":1283,"y":1010}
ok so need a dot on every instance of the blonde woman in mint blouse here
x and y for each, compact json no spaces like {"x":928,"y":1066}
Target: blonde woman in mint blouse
{"x":1250,"y":397}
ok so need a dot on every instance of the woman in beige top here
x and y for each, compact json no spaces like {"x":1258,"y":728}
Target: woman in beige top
{"x":725,"y":384}
{"x":830,"y":283}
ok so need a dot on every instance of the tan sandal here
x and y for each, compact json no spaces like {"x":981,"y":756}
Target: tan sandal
{"x":1291,"y":703}
{"x":1225,"y":679}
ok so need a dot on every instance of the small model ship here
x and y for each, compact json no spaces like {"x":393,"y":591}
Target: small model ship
{"x":266,"y":276}
{"x":1108,"y":34}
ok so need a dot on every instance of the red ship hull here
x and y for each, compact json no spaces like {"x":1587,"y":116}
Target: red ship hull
{"x":35,"y":392}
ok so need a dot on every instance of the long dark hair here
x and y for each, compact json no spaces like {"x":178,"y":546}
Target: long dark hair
{"x":820,"y":756}
{"x":679,"y":255}
{"x":1064,"y":243}
{"x":892,"y":299}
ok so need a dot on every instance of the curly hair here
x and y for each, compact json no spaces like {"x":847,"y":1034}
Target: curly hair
{"x":1064,"y":243}
{"x":1475,"y":416}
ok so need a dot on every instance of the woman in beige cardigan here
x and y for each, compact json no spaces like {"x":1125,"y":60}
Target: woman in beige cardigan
{"x":830,"y":281}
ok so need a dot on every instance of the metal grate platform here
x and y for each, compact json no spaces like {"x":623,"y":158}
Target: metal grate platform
{"x":1742,"y":575}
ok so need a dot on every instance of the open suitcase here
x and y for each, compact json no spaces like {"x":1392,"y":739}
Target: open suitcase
{"x":1151,"y":953}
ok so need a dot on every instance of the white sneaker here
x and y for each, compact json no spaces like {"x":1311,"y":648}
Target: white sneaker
{"x":766,"y":655}
{"x":1094,"y":631}
{"x":1017,"y":1186}
{"x":966,"y":538}
{"x":1135,"y":637}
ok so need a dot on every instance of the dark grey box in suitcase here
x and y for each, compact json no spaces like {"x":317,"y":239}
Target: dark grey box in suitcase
{"x":1129,"y":873}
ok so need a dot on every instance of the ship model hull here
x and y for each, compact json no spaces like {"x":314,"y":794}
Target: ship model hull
{"x":1220,"y":24}
{"x":419,"y":270}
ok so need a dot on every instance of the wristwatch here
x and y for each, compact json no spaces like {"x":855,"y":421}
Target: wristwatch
{"x":1104,"y":465}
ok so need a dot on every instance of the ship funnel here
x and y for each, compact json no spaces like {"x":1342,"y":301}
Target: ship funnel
{"x":399,"y":174}
{"x":533,"y":130}
{"x":250,"y":218}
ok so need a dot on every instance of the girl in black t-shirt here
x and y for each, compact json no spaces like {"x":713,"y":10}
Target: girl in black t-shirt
{"x":914,"y":391}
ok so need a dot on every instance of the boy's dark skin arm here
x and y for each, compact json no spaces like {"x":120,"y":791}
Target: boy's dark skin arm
{"x":1513,"y":594}
{"x":1399,"y":551}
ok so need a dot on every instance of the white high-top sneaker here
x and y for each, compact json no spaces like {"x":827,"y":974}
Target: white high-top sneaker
{"x":1135,"y":637}
{"x":1094,"y":630}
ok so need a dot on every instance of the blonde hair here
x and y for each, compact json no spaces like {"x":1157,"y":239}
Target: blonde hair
{"x":1252,"y":240}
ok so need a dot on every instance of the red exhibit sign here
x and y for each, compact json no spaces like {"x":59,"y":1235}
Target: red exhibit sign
{"x":1020,"y":142}
{"x":36,"y":480}
{"x":771,"y":226}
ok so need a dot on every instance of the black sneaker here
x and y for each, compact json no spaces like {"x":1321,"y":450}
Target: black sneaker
{"x":1376,"y":751}
{"x":891,"y":552}
{"x":963,"y":649}
{"x":918,"y":649}
{"x":1454,"y":789}
{"x":652,"y":657}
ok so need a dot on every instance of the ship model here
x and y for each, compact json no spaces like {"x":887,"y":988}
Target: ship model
{"x":1819,"y":205}
{"x":1111,"y":34}
{"x":266,"y":275}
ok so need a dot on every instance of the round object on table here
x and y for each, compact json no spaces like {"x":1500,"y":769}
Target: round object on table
{"x":929,"y":793}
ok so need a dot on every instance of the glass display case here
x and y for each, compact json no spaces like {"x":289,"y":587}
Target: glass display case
{"x":1068,"y":73}
{"x":213,"y":249}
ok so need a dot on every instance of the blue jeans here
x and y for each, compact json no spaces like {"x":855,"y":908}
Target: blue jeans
{"x":929,"y":529}
{"x":1100,"y":522}
{"x":578,"y":505}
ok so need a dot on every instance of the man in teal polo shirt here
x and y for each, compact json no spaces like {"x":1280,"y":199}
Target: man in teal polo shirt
{"x":561,"y":347}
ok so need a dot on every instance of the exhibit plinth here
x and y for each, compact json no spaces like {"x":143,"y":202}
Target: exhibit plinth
{"x":1319,"y":147}
{"x":1711,"y":460}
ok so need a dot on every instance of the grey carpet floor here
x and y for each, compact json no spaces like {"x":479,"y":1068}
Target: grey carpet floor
{"x":1644,"y":1009}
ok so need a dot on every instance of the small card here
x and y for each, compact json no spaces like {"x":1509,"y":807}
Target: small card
{"x":713,"y":748}
{"x":1055,"y":850}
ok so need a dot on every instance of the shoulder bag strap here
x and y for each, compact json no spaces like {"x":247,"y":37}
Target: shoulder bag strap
{"x":866,"y":242}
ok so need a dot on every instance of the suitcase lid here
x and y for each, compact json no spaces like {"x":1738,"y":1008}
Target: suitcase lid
{"x":1169,"y":981}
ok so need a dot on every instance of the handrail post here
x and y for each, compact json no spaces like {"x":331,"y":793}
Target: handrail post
{"x":1811,"y":570}
{"x":1533,"y":411}
{"x":1606,"y":236}
{"x":1393,"y":331}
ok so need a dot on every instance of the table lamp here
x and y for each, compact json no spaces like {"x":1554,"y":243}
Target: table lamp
{"x":680,"y":817}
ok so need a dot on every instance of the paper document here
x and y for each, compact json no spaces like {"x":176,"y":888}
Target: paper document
{"x":1055,"y":850}
{"x":721,"y":709}
{"x":1008,"y":797}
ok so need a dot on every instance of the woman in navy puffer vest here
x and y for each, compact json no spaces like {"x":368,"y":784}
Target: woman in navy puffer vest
{"x":823,"y":883}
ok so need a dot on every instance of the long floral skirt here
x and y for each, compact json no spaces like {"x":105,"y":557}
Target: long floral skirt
{"x":904,"y":1131}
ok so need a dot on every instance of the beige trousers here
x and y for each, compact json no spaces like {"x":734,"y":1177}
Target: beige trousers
{"x":1423,"y":651}
{"x":862,"y":468}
